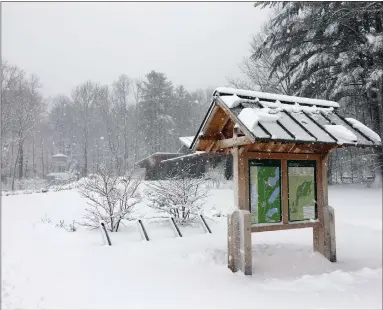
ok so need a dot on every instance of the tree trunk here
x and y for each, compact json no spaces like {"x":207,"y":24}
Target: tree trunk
{"x":33,"y":160}
{"x":126,"y":144}
{"x":26,"y":170}
{"x":118,"y":224}
{"x":135,"y":135}
{"x":379,"y":121}
{"x":10,"y":166}
{"x":330,"y":166}
{"x":42,"y":159}
{"x":21,"y":160}
{"x":85,"y":170}
{"x":14,"y":171}
{"x":33,"y":157}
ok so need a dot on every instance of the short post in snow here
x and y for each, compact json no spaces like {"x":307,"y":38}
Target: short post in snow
{"x":142,"y":229}
{"x":104,"y":233}
{"x":174,"y":224}
{"x":204,"y":224}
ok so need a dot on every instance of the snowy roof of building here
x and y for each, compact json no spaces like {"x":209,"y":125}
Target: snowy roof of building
{"x":187,"y":141}
{"x":279,"y":118}
{"x":196,"y":154}
{"x":59,"y":155}
{"x":158,"y":154}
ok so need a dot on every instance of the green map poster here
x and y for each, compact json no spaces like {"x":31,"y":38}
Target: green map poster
{"x":265,"y":197}
{"x":301,"y":193}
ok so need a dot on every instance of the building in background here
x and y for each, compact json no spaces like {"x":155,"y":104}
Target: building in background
{"x":60,"y":168}
{"x":162,"y":165}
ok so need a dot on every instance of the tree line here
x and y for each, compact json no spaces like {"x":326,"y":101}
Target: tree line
{"x":114,"y":125}
{"x":326,"y":50}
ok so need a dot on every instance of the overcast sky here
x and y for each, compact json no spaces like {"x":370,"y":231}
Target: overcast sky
{"x":195,"y":44}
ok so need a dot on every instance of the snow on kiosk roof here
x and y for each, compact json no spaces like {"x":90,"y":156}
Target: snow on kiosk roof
{"x":280,"y":146}
{"x":265,"y":117}
{"x":268,"y":96}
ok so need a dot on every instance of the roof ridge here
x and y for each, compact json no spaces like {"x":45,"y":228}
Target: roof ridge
{"x":222,"y":91}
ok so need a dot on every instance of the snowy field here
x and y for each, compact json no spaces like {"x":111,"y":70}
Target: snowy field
{"x":45,"y":267}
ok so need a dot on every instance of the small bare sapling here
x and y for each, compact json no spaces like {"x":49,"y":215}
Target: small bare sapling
{"x":180,"y":195}
{"x":111,"y":199}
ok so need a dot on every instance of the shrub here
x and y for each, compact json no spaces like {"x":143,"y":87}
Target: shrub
{"x":111,"y":198}
{"x":180,"y":195}
{"x":69,"y":228}
{"x":215,"y":176}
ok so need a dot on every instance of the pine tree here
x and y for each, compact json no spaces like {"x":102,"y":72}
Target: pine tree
{"x":155,"y":110}
{"x":334,"y":50}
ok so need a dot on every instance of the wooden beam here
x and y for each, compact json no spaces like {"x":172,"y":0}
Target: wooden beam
{"x":293,"y":146}
{"x":232,"y":142}
{"x":285,"y":226}
{"x":246,"y":181}
{"x":318,"y":233}
{"x":240,"y":178}
{"x":324,"y":236}
{"x":237,"y":132}
{"x":212,"y":137}
{"x":210,"y":145}
{"x":323,"y":182}
{"x":228,"y":130}
{"x":261,"y":155}
{"x":285,"y":192}
{"x":280,"y":148}
{"x":224,"y":120}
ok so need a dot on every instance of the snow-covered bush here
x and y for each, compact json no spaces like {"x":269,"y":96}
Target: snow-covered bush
{"x":180,"y":195}
{"x":215,"y":176}
{"x":67,"y":227}
{"x":111,"y":198}
{"x":46,"y":220}
{"x":61,"y":224}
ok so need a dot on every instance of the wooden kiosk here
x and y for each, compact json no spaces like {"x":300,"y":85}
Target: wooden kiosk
{"x":280,"y":145}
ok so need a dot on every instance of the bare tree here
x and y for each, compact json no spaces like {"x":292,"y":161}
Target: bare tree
{"x":111,"y":198}
{"x":258,"y":72}
{"x":27,"y":108}
{"x":10,"y":78}
{"x":111,"y":118}
{"x":62,"y":122}
{"x":136,"y":90}
{"x":84,"y":97}
{"x":120,"y":98}
{"x":180,"y":195}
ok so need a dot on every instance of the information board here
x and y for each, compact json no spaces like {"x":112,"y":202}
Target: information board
{"x":302,"y":198}
{"x":265,"y":191}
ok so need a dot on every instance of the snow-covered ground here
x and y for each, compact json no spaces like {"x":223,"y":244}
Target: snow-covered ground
{"x":47,"y":267}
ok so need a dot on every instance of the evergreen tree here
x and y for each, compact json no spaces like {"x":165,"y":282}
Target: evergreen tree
{"x":157,"y":95}
{"x":334,"y":50}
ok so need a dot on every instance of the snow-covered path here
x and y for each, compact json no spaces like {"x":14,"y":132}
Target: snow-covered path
{"x":46,"y":267}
